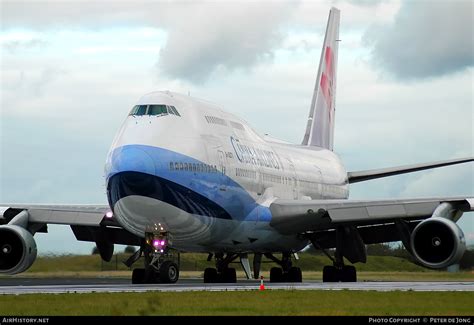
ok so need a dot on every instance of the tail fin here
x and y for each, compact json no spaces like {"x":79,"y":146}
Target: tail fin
{"x":320,"y":126}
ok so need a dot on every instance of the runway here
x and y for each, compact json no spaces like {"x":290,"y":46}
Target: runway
{"x":17,"y":286}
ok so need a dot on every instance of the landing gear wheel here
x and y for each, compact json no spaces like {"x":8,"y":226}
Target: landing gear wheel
{"x":294,"y":275}
{"x":330,"y":274}
{"x":151,"y":276}
{"x":210,"y":275}
{"x":348,"y":274}
{"x":138,"y":276}
{"x":229,"y":275}
{"x":276,"y":274}
{"x":169,"y":272}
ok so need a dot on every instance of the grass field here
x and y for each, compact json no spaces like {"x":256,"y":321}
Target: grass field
{"x":197,"y":262}
{"x":345,"y":302}
{"x":307,"y":275}
{"x":378,"y":268}
{"x":242,"y":303}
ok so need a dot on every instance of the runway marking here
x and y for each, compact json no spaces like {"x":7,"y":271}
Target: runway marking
{"x":180,"y":287}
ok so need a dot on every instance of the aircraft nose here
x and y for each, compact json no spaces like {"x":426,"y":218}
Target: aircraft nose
{"x":131,"y":159}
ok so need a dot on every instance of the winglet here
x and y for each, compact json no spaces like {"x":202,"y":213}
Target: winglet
{"x":320,"y":126}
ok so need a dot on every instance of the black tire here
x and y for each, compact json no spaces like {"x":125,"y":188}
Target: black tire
{"x":295,"y":275}
{"x":138,"y":276}
{"x":330,"y":274}
{"x":210,"y":275}
{"x":169,"y":272}
{"x":276,"y":274}
{"x":229,"y":275}
{"x":348,"y":274}
{"x":151,"y":276}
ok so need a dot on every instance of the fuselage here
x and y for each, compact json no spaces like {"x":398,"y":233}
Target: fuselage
{"x":208,"y":178}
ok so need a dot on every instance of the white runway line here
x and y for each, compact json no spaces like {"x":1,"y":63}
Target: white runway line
{"x":180,"y":287}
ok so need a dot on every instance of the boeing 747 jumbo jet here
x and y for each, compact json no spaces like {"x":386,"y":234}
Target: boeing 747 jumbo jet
{"x":183,"y":175}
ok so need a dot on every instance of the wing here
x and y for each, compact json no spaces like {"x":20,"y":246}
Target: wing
{"x":93,"y":223}
{"x":350,"y":225}
{"x":310,"y":215}
{"x":360,"y":176}
{"x":84,"y":215}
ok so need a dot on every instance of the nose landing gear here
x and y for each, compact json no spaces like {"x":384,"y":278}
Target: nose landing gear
{"x":161,"y":261}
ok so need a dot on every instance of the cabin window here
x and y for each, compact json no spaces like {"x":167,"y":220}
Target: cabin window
{"x":215,"y":120}
{"x":237,"y":125}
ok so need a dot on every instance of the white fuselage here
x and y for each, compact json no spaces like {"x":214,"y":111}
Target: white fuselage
{"x":209,"y":178}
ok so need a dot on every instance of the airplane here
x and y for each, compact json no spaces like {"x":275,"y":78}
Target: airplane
{"x":183,"y":175}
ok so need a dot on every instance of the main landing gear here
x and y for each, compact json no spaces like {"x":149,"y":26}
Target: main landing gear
{"x":349,"y":245}
{"x":286,"y":272}
{"x":338,"y":272}
{"x":161,"y":262}
{"x":222,"y":273}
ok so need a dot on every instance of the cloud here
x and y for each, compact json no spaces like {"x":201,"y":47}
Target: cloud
{"x":426,"y":39}
{"x":116,"y":49}
{"x":470,"y":236}
{"x":366,"y":2}
{"x":313,"y":15}
{"x":222,"y":36}
{"x":202,"y":37}
{"x":29,"y":83}
{"x":75,"y":13}
{"x":63,"y":103}
{"x":14,"y":46}
{"x":445,"y":181}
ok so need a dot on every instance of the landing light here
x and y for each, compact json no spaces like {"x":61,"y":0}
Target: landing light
{"x":109,"y":214}
{"x":159,"y":243}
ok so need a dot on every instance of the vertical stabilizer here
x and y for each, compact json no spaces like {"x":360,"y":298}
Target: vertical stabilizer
{"x":320,"y":126}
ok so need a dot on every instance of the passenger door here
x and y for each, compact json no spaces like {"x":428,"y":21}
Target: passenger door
{"x":216,"y":157}
{"x":294,"y":178}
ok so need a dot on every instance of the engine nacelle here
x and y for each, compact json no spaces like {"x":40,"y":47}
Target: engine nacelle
{"x":438,"y":243}
{"x":17,"y":249}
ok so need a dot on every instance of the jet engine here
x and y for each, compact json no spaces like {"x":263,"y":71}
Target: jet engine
{"x":437,"y":242}
{"x":17,"y":249}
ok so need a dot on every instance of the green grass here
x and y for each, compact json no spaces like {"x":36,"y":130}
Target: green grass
{"x":76,"y":263}
{"x":197,"y":262}
{"x":242,"y":303}
{"x":307,"y":275}
{"x":377,"y":268}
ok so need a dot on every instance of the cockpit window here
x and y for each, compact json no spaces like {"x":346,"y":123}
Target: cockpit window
{"x":138,"y":110}
{"x":154,"y":110}
{"x":157,"y":110}
{"x":173,"y":110}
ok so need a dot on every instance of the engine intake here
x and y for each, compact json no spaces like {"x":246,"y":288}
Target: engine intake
{"x":438,"y":243}
{"x":17,"y":249}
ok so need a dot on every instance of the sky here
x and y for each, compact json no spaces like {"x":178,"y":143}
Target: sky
{"x":71,"y":70}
